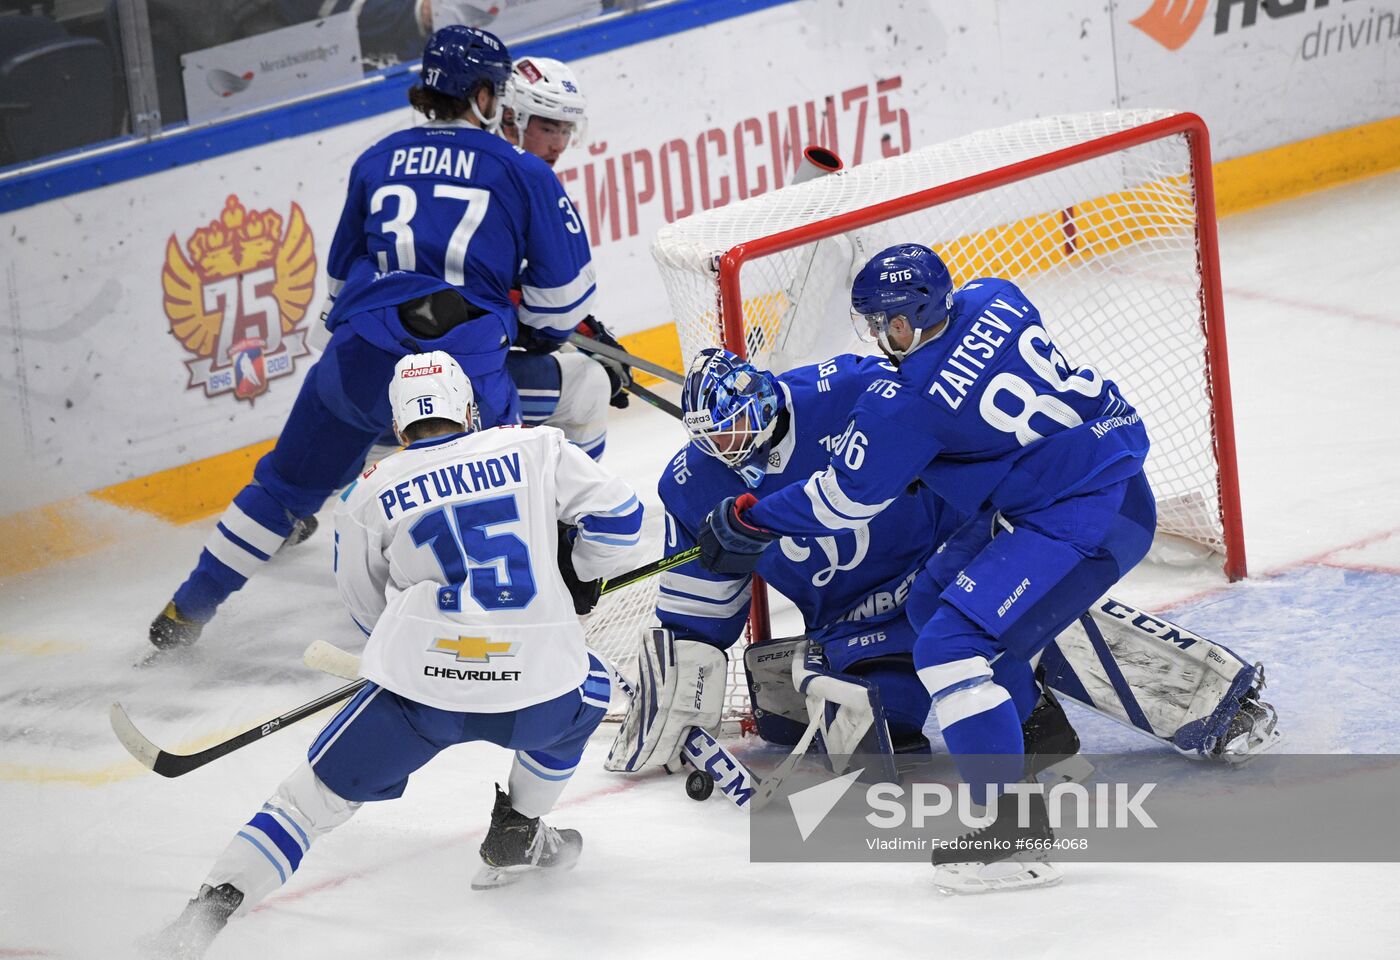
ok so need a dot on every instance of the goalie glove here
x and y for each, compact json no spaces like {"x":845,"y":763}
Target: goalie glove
{"x":680,"y":685}
{"x":584,"y":592}
{"x":619,"y":373}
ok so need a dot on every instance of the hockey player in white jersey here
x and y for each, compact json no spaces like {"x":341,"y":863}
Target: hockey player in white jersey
{"x":545,"y":113}
{"x":752,"y":431}
{"x":446,"y":556}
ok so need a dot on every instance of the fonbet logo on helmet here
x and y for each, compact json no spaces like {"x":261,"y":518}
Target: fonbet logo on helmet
{"x":430,"y":386}
{"x":412,"y":372}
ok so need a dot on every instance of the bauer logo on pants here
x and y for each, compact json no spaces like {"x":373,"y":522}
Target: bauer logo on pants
{"x":236,"y":294}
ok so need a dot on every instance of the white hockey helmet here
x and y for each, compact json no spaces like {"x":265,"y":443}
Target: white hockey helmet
{"x":543,"y":87}
{"x":430,"y":386}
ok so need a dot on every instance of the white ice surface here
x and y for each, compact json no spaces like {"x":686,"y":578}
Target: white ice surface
{"x":96,"y":853}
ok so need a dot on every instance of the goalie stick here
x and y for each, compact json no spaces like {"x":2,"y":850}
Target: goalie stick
{"x":169,"y":764}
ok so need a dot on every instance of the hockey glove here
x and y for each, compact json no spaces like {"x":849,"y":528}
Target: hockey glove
{"x":530,"y":340}
{"x":728,"y":543}
{"x":619,"y":374}
{"x":584,"y":592}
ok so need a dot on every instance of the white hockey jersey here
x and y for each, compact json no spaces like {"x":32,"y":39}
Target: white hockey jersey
{"x":446,"y":555}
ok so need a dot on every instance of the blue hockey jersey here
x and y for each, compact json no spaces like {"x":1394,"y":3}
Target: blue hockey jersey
{"x":448,"y":205}
{"x":990,"y":414}
{"x":835,"y":579}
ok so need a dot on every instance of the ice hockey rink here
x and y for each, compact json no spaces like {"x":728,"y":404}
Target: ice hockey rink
{"x":97,"y":853}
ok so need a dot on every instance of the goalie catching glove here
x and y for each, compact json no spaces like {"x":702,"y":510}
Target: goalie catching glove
{"x":680,"y":685}
{"x":619,"y":373}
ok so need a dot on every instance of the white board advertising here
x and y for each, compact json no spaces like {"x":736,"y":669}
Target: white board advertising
{"x":271,"y":67}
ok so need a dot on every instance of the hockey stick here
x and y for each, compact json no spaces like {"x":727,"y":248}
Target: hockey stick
{"x":589,"y":345}
{"x":649,"y":570}
{"x":169,"y":764}
{"x":769,"y":785}
{"x":177,"y":764}
{"x":656,"y":400}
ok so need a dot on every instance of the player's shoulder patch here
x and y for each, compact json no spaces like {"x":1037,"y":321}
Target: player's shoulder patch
{"x":345,"y":494}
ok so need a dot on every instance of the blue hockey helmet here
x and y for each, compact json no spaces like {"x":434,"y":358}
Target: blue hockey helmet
{"x":907,"y":280}
{"x":457,"y":59}
{"x":730,"y":409}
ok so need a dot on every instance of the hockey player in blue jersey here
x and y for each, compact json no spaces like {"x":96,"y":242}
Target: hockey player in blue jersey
{"x":437,"y":221}
{"x":1047,"y":458}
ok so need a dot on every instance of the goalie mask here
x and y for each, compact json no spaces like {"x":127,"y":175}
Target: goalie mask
{"x":907,"y":280}
{"x":542,"y":87}
{"x":730,"y":409}
{"x":431,"y":386}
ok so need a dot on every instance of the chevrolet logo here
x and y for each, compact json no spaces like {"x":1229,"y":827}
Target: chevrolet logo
{"x":473,"y":649}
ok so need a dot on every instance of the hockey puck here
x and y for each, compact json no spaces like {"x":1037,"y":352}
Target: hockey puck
{"x":699,"y":785}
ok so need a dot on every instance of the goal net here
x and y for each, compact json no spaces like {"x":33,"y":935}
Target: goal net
{"x":1105,"y":220}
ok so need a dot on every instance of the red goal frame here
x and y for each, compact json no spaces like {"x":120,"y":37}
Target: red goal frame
{"x":1212,"y":317}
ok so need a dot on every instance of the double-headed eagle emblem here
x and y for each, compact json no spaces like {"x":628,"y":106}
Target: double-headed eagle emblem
{"x":235,"y":299}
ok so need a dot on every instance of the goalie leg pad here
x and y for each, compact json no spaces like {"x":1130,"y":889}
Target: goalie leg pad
{"x":1199,"y":697}
{"x":681,"y":684}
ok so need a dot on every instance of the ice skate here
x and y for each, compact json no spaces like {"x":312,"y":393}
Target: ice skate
{"x":1052,"y":744}
{"x":302,"y":530}
{"x":517,"y":846}
{"x":172,"y":631}
{"x":995,"y":857}
{"x":1254,"y":729}
{"x":190,"y":934}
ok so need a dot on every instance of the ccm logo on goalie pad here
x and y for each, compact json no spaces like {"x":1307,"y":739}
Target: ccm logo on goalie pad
{"x":1149,"y":624}
{"x":703,"y":752}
